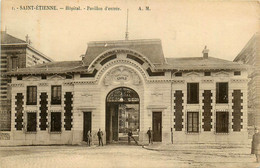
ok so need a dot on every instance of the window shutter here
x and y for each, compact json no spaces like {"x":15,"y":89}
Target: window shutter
{"x":217,"y":92}
{"x":197,"y":92}
{"x":188,"y":92}
{"x":227,"y":91}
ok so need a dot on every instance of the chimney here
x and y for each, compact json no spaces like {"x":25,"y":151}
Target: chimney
{"x":82,"y":56}
{"x":27,"y":39}
{"x":205,"y":53}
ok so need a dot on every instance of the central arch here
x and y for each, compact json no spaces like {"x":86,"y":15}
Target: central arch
{"x":122,"y":114}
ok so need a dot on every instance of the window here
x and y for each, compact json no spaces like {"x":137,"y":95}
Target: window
{"x":69,"y":76}
{"x":207,"y":73}
{"x":56,"y":94}
{"x":192,"y":122}
{"x":222,"y":122}
{"x":9,"y":80}
{"x":222,"y":92}
{"x":178,"y":74}
{"x":31,"y":95}
{"x":55,"y":122}
{"x":193,"y":93}
{"x":44,"y":77}
{"x":19,"y":78}
{"x":14,"y":62}
{"x":31,"y":122}
{"x":237,"y":73}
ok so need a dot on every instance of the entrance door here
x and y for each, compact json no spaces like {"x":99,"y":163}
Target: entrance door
{"x":115,"y":123}
{"x":86,"y":125}
{"x":112,"y":123}
{"x":157,"y":126}
{"x":122,"y":114}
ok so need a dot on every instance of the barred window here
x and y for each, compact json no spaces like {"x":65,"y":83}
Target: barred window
{"x":193,"y":122}
{"x":31,"y":95}
{"x":56,"y":94}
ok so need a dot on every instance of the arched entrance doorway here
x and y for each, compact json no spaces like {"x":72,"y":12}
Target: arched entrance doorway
{"x":122,"y":114}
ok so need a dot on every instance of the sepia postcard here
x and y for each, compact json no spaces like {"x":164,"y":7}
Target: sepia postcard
{"x":130,"y":83}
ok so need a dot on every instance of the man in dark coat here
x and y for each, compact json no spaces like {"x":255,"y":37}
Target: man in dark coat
{"x":150,"y":134}
{"x":130,"y":134}
{"x":255,"y":149}
{"x":100,"y":136}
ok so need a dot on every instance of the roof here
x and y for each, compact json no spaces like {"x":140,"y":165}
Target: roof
{"x":179,"y":64}
{"x":51,"y":68}
{"x":8,"y":39}
{"x":249,"y":45}
{"x":151,"y":49}
{"x":199,"y":63}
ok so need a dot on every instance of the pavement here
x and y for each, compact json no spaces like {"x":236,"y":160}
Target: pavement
{"x":126,"y":156}
{"x":209,"y":155}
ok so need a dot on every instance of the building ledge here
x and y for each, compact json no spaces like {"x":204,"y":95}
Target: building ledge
{"x":86,"y":108}
{"x":156,"y":107}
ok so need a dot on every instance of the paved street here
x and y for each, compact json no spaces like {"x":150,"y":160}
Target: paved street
{"x":121,"y":156}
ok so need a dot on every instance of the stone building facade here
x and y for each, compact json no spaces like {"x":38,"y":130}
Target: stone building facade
{"x":129,"y":85}
{"x":250,"y":55}
{"x":15,"y":54}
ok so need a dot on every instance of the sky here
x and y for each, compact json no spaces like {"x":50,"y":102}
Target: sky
{"x":184,"y":27}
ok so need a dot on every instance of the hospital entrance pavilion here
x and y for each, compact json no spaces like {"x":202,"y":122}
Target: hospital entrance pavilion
{"x":128,"y":85}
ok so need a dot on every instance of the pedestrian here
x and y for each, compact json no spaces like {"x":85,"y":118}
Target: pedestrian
{"x":100,"y":136}
{"x":89,"y":135}
{"x":255,"y":149}
{"x":150,"y":135}
{"x":130,"y":134}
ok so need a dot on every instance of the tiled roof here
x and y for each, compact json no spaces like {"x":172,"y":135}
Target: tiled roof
{"x":8,"y":39}
{"x":252,"y":45}
{"x":181,"y":64}
{"x":152,"y":49}
{"x":51,"y":68}
{"x":199,"y":63}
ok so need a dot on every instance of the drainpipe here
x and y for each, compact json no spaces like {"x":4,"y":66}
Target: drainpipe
{"x":171,"y":113}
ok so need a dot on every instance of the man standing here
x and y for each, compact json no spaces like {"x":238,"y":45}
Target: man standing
{"x":255,"y":149}
{"x":89,"y":138}
{"x":149,"y":132}
{"x":130,"y":134}
{"x":100,"y":136}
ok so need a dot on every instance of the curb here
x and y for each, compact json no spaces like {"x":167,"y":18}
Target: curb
{"x":156,"y":149}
